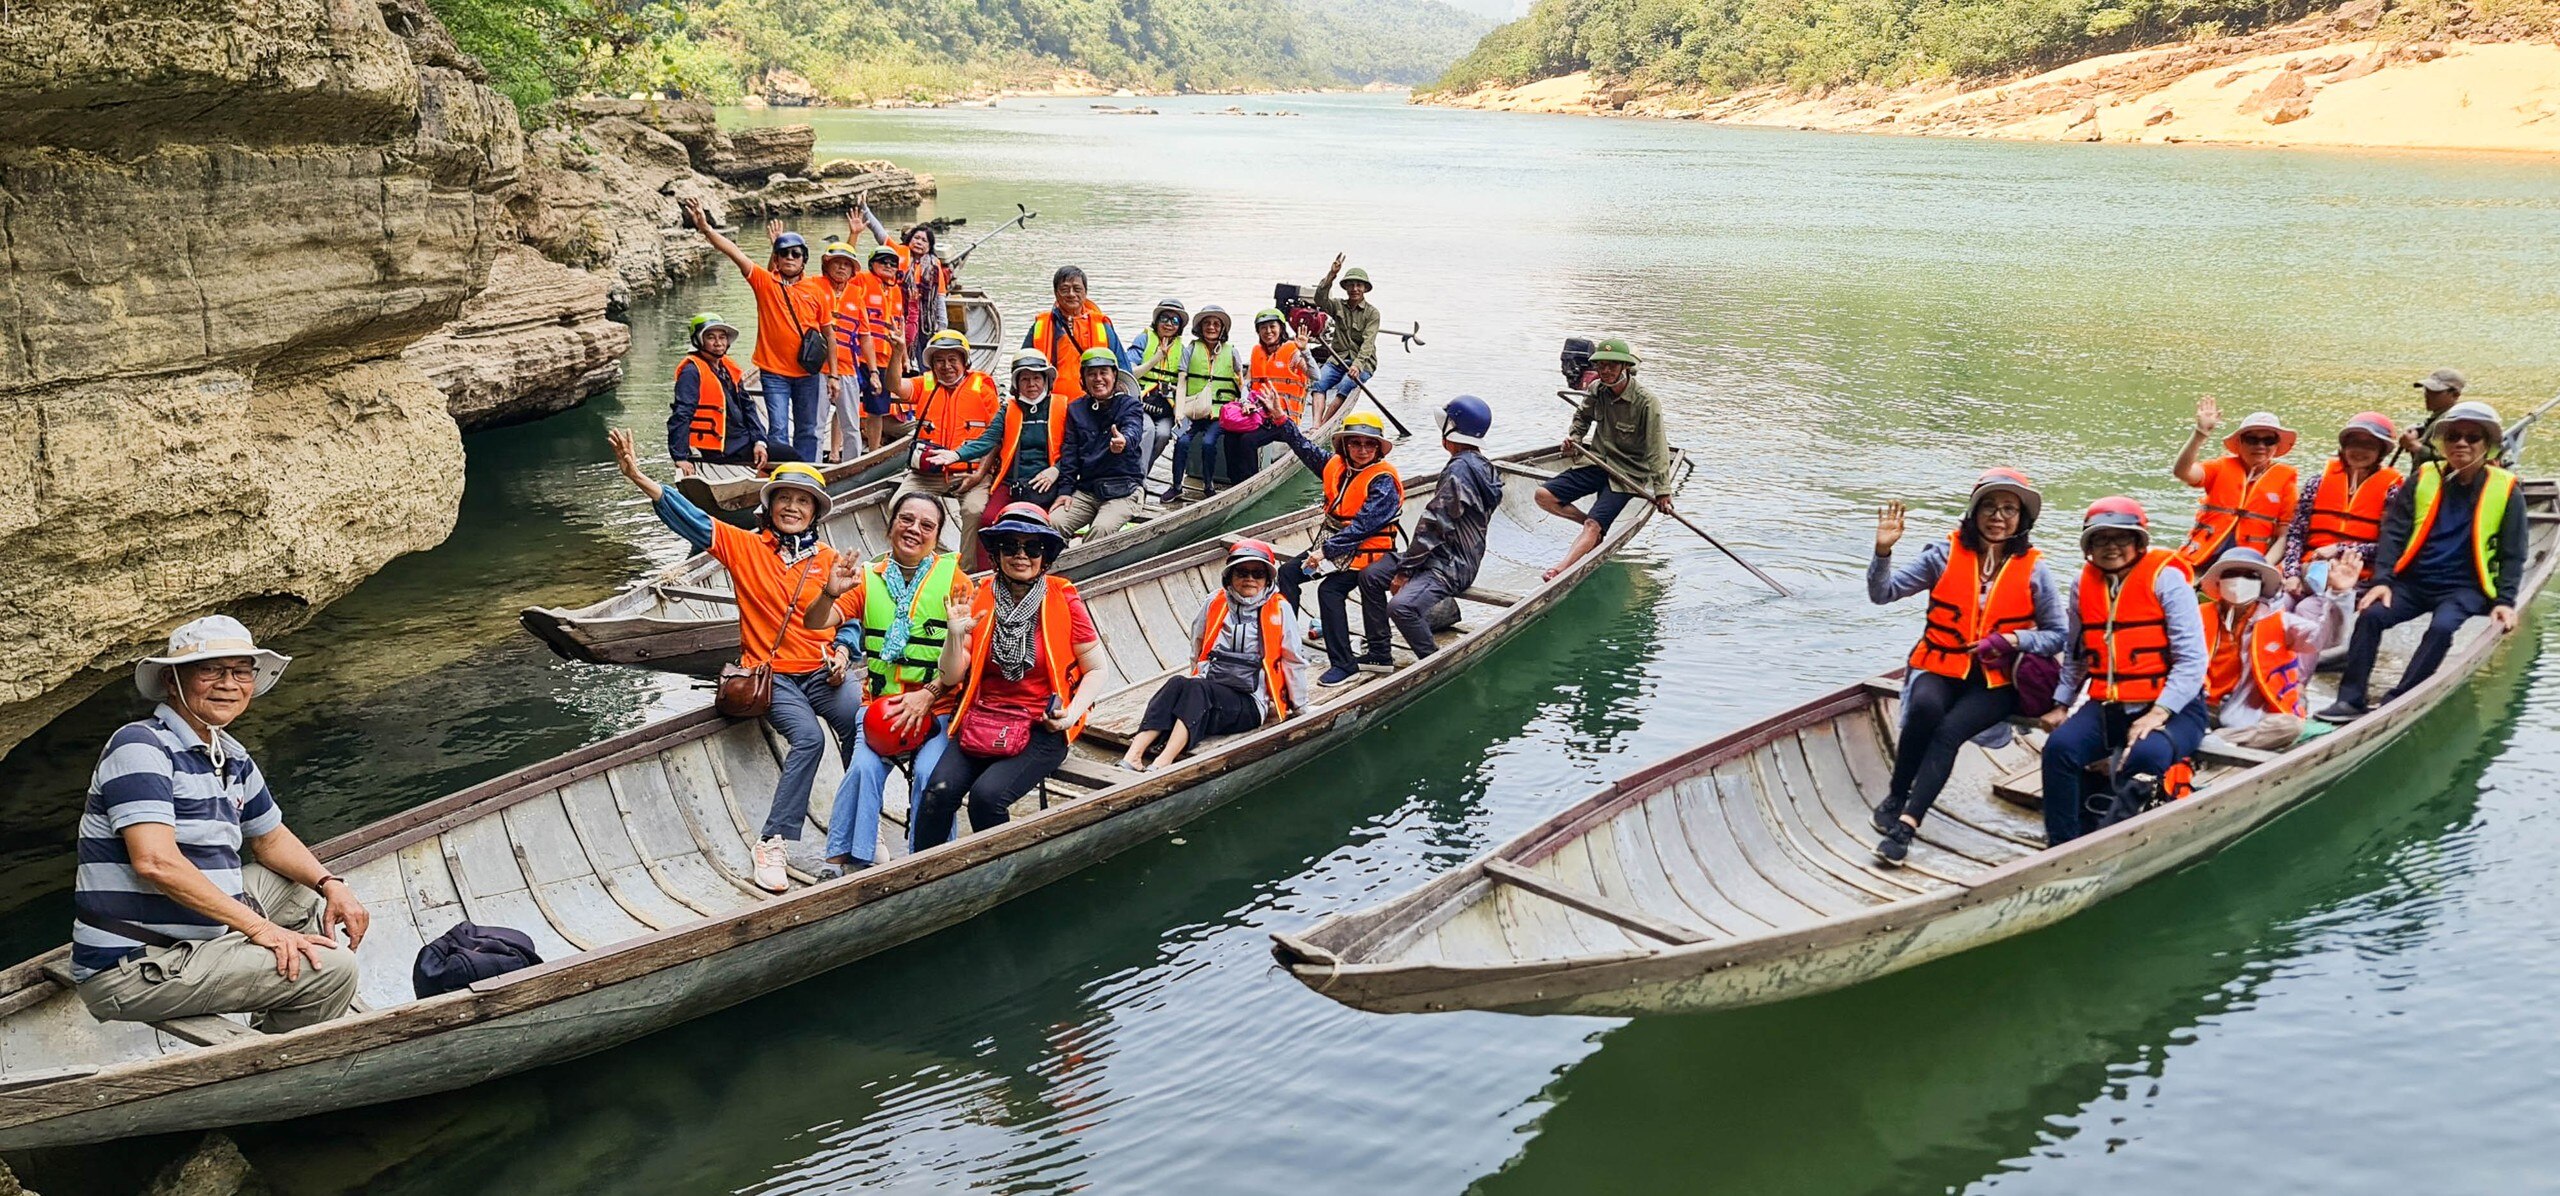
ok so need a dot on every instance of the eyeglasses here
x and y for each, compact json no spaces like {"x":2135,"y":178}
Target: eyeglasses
{"x":242,"y":673}
{"x":2463,"y":437}
{"x":1014,"y":546}
{"x":2262,"y":441}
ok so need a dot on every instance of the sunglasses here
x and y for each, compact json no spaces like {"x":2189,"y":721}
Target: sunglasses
{"x":2262,"y":441}
{"x":1255,"y":572}
{"x":1014,"y":546}
{"x":2465,"y":437}
{"x":799,"y":253}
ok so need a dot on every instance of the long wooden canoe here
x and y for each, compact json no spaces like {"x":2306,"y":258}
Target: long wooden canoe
{"x":1740,"y":872}
{"x":680,"y":619}
{"x":729,"y":491}
{"x":626,"y":862}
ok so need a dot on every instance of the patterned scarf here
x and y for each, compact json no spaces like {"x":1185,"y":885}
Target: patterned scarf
{"x":1016,"y":619}
{"x":902,"y":592}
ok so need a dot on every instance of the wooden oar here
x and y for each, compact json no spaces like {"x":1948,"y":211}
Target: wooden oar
{"x":1575,"y":397}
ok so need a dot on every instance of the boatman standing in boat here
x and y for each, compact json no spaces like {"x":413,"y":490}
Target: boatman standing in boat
{"x":1624,"y":426}
{"x":1447,"y":547}
{"x":2440,"y":390}
{"x":954,"y":405}
{"x":713,"y":421}
{"x":2249,"y":495}
{"x":1350,"y":347}
{"x":168,"y":920}
{"x":2137,"y":642}
{"x":2452,"y":548}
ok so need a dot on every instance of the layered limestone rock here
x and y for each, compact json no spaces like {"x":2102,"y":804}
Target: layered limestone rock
{"x":534,"y":343}
{"x":225,"y":220}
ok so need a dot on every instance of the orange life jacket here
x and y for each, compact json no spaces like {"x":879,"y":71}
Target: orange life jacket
{"x":2124,"y":636}
{"x":2343,"y":516}
{"x":1342,"y":502}
{"x":955,"y":416}
{"x":1275,"y":639}
{"x":1013,"y":436}
{"x":1281,"y":375}
{"x":1065,"y":343}
{"x":1056,"y":641}
{"x":1957,"y":623}
{"x":2236,"y":511}
{"x":2274,"y":669}
{"x":720,"y":378}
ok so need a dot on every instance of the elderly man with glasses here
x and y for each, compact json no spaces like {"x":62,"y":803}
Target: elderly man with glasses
{"x":168,"y":920}
{"x":2452,"y":548}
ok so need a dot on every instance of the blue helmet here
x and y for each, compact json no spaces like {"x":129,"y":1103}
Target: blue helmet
{"x":791,"y":241}
{"x":1465,"y":420}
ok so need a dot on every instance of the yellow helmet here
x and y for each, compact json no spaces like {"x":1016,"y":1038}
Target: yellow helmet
{"x":946,"y":340}
{"x":1363,"y":423}
{"x":796,"y":476}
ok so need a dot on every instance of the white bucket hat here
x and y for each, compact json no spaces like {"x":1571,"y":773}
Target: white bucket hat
{"x":213,"y":637}
{"x":2261,"y":421}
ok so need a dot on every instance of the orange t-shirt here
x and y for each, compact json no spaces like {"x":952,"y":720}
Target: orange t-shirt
{"x":783,"y":312}
{"x":765,"y":587}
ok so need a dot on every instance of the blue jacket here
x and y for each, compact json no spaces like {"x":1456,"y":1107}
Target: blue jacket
{"x":1379,"y":509}
{"x":1086,"y":461}
{"x":1449,"y":540}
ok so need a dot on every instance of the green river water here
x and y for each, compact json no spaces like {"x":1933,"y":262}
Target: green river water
{"x":2354,"y":999}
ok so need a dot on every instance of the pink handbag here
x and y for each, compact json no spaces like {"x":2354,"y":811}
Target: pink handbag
{"x":1241,"y":416}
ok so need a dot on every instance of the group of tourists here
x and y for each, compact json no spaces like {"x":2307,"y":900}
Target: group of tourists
{"x":2218,"y":636}
{"x":193,"y":897}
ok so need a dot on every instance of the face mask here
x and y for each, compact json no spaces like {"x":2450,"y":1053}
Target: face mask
{"x":2316,"y":576}
{"x":2239,"y":591}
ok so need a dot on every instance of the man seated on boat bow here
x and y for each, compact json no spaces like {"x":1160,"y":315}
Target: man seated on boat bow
{"x":169,"y":921}
{"x":2137,"y":641}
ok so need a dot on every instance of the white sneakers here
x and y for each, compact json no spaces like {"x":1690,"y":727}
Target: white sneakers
{"x":769,"y":861}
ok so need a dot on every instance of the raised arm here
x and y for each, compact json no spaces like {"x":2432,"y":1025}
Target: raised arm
{"x":694,"y":215}
{"x":2208,"y":417}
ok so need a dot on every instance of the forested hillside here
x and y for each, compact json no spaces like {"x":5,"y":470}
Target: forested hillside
{"x":854,"y":50}
{"x":1727,"y":44}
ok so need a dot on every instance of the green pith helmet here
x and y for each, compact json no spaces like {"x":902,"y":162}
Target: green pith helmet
{"x":1615,"y":350}
{"x":1269,"y":315}
{"x":1358,"y":275}
{"x":704,"y":322}
{"x":1097,"y":355}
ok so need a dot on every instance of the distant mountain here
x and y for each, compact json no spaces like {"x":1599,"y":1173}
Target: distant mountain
{"x":869,"y":49}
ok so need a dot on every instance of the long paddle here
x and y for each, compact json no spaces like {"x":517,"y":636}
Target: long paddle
{"x":1575,"y":397}
{"x":1017,"y":222}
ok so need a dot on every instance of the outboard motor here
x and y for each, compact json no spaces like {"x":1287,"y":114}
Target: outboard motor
{"x":1304,"y":316}
{"x":1576,"y":361}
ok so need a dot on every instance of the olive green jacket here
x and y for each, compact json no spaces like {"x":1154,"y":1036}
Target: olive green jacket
{"x":1353,"y":334}
{"x":1625,"y":433}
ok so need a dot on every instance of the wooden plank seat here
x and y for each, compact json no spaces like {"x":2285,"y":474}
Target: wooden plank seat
{"x":203,"y":1029}
{"x":1594,"y":904}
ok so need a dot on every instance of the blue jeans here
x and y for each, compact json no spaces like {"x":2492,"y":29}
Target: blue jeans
{"x":2449,"y":610}
{"x":2092,"y":734}
{"x":1332,"y":379}
{"x":1204,"y":433}
{"x":858,"y":799}
{"x":804,"y":707}
{"x":791,"y":407}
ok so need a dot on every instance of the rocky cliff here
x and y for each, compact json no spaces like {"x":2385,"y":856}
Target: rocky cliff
{"x":224,"y":221}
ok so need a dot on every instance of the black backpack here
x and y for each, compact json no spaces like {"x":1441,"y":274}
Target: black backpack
{"x":470,"y":952}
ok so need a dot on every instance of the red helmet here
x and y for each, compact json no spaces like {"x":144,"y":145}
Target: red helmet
{"x":2115,"y":512}
{"x":2002,"y":478}
{"x":881,"y":732}
{"x":2371,"y":423}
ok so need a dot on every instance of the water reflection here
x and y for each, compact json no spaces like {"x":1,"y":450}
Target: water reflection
{"x":1973,"y":1066}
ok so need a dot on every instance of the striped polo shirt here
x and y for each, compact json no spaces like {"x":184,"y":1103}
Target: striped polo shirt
{"x":157,"y":770}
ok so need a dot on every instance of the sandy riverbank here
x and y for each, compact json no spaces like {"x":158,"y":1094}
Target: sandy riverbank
{"x":2326,"y":81}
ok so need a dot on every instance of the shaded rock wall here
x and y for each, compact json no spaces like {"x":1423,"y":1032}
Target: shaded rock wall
{"x":224,"y":221}
{"x":536,"y":341}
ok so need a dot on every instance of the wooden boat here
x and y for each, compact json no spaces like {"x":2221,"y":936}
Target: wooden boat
{"x":681,"y":619}
{"x":729,"y":491}
{"x":625,"y":861}
{"x":1740,"y":872}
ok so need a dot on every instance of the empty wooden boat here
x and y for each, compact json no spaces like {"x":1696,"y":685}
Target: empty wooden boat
{"x":680,"y":619}
{"x":626,"y":862}
{"x":1740,"y":872}
{"x":729,"y":491}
